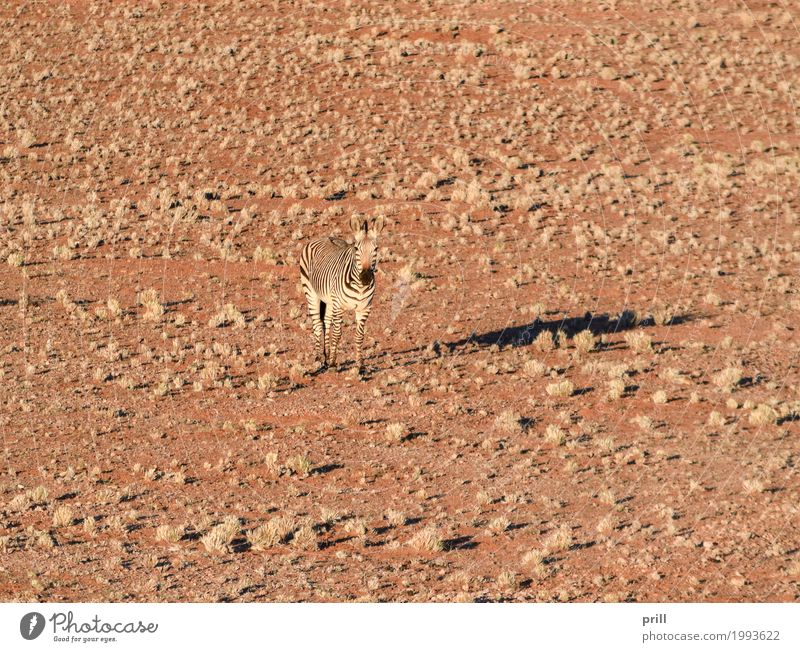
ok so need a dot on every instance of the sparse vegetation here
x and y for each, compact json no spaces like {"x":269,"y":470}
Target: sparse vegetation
{"x":584,"y":341}
{"x":218,"y":539}
{"x":762,"y":415}
{"x":62,"y":516}
{"x":169,"y":533}
{"x":278,"y":530}
{"x":395,"y":432}
{"x":427,"y":540}
{"x":639,"y":341}
{"x":560,"y":389}
{"x":579,"y":364}
{"x":728,"y":378}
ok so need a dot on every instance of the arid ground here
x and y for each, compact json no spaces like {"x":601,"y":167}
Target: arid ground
{"x":582,"y":358}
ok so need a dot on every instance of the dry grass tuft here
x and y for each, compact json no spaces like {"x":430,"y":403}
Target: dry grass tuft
{"x":535,"y":561}
{"x":753,"y":486}
{"x":305,"y":538}
{"x":266,"y":382}
{"x":169,"y":533}
{"x":763,"y":415}
{"x":616,"y":388}
{"x":395,"y":432}
{"x":151,"y":302}
{"x":498,"y":525}
{"x":728,"y":378}
{"x":663,"y":315}
{"x":605,"y":525}
{"x":62,"y":516}
{"x":508,"y":422}
{"x":227,"y":316}
{"x":584,"y":341}
{"x":560,"y":389}
{"x":38,"y":495}
{"x":299,"y":464}
{"x":559,"y":539}
{"x":639,"y":341}
{"x":278,"y":530}
{"x":534,"y":369}
{"x":507,"y":581}
{"x":218,"y":539}
{"x":90,"y":525}
{"x":544,"y":342}
{"x":555,"y":435}
{"x":427,"y":539}
{"x":395,"y":518}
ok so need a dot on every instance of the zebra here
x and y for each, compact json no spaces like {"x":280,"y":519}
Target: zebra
{"x":337,"y":276}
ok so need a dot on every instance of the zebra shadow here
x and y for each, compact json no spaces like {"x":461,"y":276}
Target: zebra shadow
{"x":599,"y":324}
{"x":525,"y":334}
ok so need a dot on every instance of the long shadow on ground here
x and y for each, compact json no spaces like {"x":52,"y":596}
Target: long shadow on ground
{"x":524,"y":335}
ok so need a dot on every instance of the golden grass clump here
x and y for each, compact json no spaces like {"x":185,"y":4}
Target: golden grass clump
{"x":395,"y":518}
{"x":305,"y":538}
{"x":44,"y":539}
{"x":395,"y":432}
{"x":151,"y":302}
{"x":605,"y":525}
{"x":559,"y":539}
{"x":762,"y":415}
{"x":62,"y":516}
{"x":616,"y":388}
{"x":427,"y":539}
{"x":38,"y":494}
{"x":271,"y":462}
{"x":299,"y":464}
{"x":728,"y":378}
{"x":15,"y":259}
{"x":90,"y":525}
{"x":508,"y":422}
{"x":227,"y":316}
{"x":555,"y":435}
{"x":560,"y":389}
{"x":663,"y":315}
{"x":533,"y":368}
{"x":534,"y":560}
{"x":753,"y":486}
{"x":584,"y":341}
{"x":498,"y":525}
{"x":276,"y":531}
{"x":544,"y":342}
{"x":507,"y":581}
{"x":266,"y":382}
{"x":169,"y":533}
{"x":639,"y":341}
{"x":113,"y":307}
{"x":218,"y":539}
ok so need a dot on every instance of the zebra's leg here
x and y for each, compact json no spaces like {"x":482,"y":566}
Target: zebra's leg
{"x":327,"y":339}
{"x":335,"y":333}
{"x":361,"y":323}
{"x":319,"y":332}
{"x":316,"y":309}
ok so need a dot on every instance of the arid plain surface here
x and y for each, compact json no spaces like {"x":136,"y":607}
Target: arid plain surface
{"x":583,"y":354}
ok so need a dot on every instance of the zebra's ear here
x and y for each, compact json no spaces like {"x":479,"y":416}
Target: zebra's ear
{"x":377,"y":224}
{"x":355,"y":224}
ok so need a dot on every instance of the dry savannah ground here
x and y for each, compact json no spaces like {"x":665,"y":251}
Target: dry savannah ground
{"x":582,"y":360}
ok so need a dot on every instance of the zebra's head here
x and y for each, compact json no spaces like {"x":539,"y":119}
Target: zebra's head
{"x":366,"y":241}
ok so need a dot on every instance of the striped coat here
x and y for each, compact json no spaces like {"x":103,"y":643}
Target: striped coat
{"x":337,"y":276}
